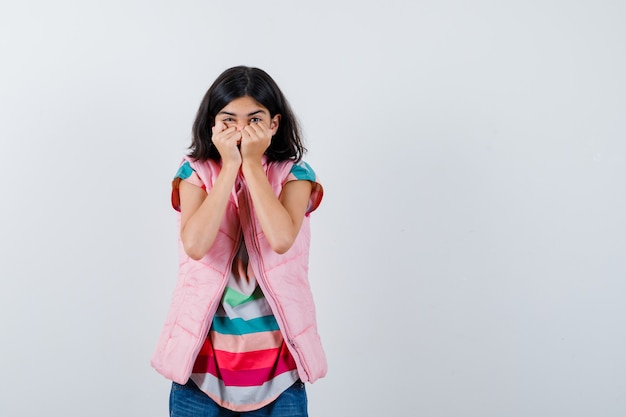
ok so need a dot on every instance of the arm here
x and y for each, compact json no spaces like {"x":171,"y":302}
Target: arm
{"x":280,"y":218}
{"x":202,"y":212}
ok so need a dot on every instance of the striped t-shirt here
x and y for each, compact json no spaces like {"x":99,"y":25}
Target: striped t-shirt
{"x":244,"y":363}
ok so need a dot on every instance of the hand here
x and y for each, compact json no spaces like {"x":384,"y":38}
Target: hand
{"x":226,"y":140}
{"x":255,"y":139}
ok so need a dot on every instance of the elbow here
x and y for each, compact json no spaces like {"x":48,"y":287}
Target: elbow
{"x":194,"y":254}
{"x":195,"y":247}
{"x":281,"y":250}
{"x":282,"y":242}
{"x":194,"y":251}
{"x":281,"y":246}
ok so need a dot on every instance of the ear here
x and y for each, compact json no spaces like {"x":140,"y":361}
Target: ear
{"x":274,"y":124}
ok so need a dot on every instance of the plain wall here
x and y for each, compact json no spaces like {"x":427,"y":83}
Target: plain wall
{"x":468,"y":258}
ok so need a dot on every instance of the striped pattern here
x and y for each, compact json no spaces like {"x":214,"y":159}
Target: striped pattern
{"x":244,"y":363}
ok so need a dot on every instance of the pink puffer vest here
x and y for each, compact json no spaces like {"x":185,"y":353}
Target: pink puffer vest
{"x":283,"y":279}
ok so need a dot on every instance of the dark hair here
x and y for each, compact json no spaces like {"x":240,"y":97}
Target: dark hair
{"x":239,"y":82}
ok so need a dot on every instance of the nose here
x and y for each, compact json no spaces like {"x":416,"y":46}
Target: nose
{"x":240,"y":126}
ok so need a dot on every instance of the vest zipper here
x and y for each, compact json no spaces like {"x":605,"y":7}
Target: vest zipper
{"x":266,"y":288}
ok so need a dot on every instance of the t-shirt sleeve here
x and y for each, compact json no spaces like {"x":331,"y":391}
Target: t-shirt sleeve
{"x":185,"y":173}
{"x":301,"y":171}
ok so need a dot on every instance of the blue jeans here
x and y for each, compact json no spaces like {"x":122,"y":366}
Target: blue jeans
{"x":188,"y":401}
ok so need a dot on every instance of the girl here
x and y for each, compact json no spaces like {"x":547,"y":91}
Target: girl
{"x":241,"y":337}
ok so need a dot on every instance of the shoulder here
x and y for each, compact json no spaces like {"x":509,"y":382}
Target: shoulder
{"x":201,"y":167}
{"x":301,"y":170}
{"x":186,"y":172}
{"x":205,"y":170}
{"x":291,"y":170}
{"x":195,"y":172}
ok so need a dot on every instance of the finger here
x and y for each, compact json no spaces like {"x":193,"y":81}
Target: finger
{"x":247,"y":133}
{"x":256,"y":132}
{"x":218,"y":127}
{"x":259,"y":129}
{"x":237,"y":136}
{"x":230,"y":138}
{"x":224,"y":134}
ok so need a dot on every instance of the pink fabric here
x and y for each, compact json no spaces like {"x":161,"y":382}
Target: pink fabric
{"x":282,"y":277}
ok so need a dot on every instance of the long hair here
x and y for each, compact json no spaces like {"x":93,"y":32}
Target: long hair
{"x":238,"y":82}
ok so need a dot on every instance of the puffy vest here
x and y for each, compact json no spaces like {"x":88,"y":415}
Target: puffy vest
{"x":283,"y":278}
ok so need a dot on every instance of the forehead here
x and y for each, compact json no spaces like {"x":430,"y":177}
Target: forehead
{"x":244,"y":106}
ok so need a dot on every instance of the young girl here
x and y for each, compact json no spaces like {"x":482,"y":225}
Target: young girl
{"x":241,"y":337}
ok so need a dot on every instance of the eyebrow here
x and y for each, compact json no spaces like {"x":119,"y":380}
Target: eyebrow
{"x":249,"y":114}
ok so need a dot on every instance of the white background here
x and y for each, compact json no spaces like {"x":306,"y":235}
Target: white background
{"x":468,"y":258}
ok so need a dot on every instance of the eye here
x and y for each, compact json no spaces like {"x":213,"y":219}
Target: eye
{"x":227,"y":119}
{"x":255,"y":120}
